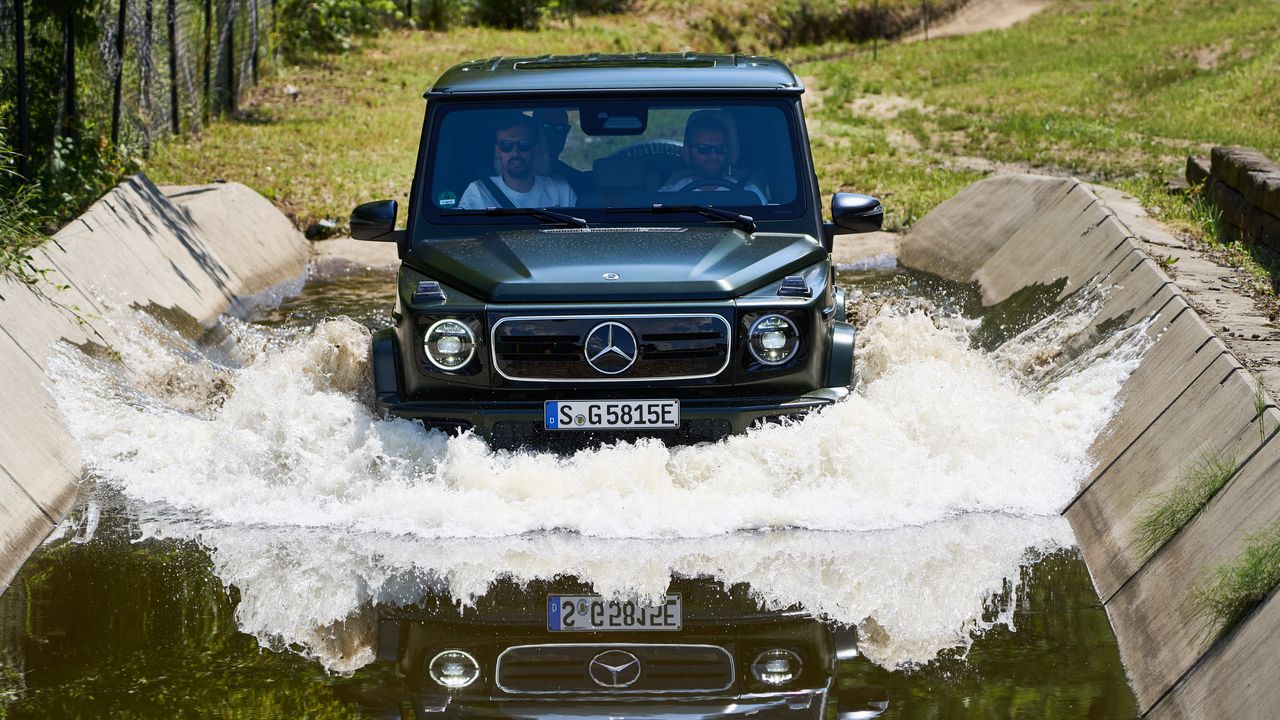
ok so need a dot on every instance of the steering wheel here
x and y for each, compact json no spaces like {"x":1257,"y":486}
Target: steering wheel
{"x":715,"y":182}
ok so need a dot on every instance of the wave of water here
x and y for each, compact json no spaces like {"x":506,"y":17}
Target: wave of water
{"x":909,"y":504}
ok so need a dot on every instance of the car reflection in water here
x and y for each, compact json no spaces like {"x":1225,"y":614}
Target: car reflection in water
{"x":730,"y":658}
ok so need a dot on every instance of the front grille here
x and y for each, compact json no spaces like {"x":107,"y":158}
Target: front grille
{"x":545,"y":669}
{"x":667,"y":347}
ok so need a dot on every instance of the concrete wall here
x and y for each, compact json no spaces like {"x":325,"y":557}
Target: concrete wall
{"x":194,"y":249}
{"x":1189,"y":397}
{"x":1244,"y":184}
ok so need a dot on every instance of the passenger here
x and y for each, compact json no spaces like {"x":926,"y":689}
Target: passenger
{"x":706,"y":152}
{"x":553,"y":124}
{"x":516,"y":185}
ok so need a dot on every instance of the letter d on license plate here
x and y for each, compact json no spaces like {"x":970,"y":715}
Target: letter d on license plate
{"x":611,"y":414}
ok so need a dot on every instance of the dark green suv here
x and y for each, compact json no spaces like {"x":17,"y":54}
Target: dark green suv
{"x":617,"y":245}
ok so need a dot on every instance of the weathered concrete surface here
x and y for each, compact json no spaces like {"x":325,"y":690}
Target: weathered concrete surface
{"x":198,"y":253}
{"x":1237,"y":678}
{"x":1190,"y":398}
{"x":1213,"y":290}
{"x":343,"y":256}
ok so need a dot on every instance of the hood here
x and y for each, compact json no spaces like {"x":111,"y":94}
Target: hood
{"x":570,"y":264}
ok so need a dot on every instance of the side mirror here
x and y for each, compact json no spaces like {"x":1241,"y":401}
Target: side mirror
{"x":375,"y":221}
{"x":854,"y":213}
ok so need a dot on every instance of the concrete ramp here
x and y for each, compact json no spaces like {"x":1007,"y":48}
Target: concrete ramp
{"x":195,"y":250}
{"x":1189,"y":399}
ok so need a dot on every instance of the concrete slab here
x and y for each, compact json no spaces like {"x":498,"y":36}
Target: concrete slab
{"x":257,"y":244}
{"x":39,"y":466}
{"x":344,"y":256}
{"x":1155,"y":617}
{"x":1213,"y":417}
{"x":1183,"y":349}
{"x":134,"y":247}
{"x":1069,"y":238}
{"x":35,"y":322}
{"x":866,"y":251}
{"x":1136,"y":290}
{"x":1220,"y":687}
{"x":22,"y":525}
{"x":962,"y":233}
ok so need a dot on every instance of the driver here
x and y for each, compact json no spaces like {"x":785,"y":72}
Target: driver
{"x":706,"y":152}
{"x":513,"y":145}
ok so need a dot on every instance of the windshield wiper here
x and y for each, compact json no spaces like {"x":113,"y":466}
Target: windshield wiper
{"x":746,"y":222}
{"x":545,"y":215}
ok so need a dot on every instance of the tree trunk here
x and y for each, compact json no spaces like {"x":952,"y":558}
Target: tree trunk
{"x":208,"y":57}
{"x":70,"y":109}
{"x":119,"y":78}
{"x":253,"y":59}
{"x":146,"y":72}
{"x":173,"y":66}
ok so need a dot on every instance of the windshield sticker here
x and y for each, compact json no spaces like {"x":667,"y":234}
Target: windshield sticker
{"x":447,"y":199}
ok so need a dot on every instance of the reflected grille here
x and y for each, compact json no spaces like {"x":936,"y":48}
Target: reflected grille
{"x":543,"y":669}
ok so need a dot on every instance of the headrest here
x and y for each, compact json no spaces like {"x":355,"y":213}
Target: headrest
{"x":618,"y":172}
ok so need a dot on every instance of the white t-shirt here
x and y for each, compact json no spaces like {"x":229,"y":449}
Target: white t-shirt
{"x":678,"y":185}
{"x":546,"y":192}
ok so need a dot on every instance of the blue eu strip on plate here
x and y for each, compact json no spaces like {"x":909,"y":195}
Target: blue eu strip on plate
{"x":553,"y":612}
{"x":552,"y":409}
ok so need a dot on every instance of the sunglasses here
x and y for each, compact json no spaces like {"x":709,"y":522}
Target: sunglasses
{"x":705,"y":149}
{"x":507,"y":146}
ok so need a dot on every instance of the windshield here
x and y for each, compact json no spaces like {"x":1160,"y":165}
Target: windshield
{"x":597,"y":157}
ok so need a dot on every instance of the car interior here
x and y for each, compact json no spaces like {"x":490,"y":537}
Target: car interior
{"x":627,"y":169}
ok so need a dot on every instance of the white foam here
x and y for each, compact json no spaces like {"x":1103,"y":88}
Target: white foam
{"x":928,"y":486}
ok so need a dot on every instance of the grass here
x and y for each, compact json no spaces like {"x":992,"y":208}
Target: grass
{"x":1199,"y":482}
{"x":1118,"y":92}
{"x":1236,"y":587}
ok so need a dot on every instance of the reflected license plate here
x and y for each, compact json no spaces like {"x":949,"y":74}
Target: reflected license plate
{"x":611,"y":414}
{"x":592,"y":613}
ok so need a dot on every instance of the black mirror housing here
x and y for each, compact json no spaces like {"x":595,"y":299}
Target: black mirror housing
{"x":375,"y":221}
{"x":855,"y":213}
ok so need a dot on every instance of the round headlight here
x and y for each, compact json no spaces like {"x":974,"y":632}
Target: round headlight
{"x":449,"y":344}
{"x":454,"y":669}
{"x":776,"y":667}
{"x":773,"y":339}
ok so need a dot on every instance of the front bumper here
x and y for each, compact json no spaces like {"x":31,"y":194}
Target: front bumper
{"x":514,"y":423}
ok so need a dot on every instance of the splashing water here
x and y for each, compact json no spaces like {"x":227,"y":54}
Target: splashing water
{"x":911,"y":503}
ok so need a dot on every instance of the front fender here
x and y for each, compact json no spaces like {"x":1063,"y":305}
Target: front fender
{"x":840,"y":357}
{"x":386,"y":368}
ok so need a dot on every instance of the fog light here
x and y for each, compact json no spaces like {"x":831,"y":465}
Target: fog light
{"x":773,"y":340}
{"x":776,"y":667}
{"x":449,"y":344}
{"x":454,"y":669}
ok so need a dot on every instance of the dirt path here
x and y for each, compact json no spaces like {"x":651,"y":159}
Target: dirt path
{"x":983,"y":15}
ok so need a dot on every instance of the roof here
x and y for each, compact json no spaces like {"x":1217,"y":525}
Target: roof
{"x":596,"y":72}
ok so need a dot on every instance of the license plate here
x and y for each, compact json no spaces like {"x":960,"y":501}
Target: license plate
{"x":611,"y":414}
{"x":592,"y":613}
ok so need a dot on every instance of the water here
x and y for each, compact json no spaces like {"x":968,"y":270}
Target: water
{"x":248,"y":519}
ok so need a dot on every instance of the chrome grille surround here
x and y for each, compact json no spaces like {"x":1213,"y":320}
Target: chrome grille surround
{"x":563,"y":669}
{"x":577,"y":341}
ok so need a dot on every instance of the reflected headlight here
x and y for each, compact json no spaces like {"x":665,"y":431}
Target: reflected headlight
{"x":773,"y":339}
{"x":449,"y":344}
{"x":454,"y":669}
{"x":776,"y":667}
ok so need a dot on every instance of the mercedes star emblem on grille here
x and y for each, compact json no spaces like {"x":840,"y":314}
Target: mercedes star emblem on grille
{"x":611,"y":276}
{"x":611,"y":348}
{"x":614,"y":669}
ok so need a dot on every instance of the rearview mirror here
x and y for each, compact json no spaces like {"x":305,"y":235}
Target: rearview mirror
{"x":854,"y":213}
{"x":375,"y":221}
